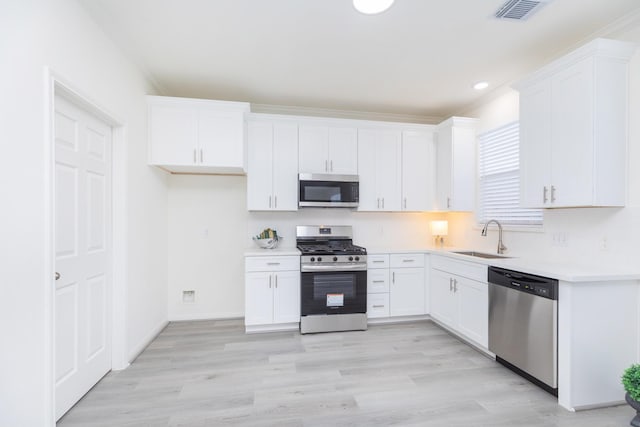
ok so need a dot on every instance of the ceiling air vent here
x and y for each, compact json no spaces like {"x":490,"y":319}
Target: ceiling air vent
{"x":519,"y":10}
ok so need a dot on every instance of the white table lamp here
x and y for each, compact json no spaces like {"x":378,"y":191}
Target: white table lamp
{"x":439,"y":229}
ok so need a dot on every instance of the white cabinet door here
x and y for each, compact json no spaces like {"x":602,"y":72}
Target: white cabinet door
{"x":258,"y":298}
{"x":418,"y":171}
{"x":260,"y":166}
{"x":285,"y":167}
{"x":221,"y":138}
{"x":343,"y":151}
{"x":173,"y":135}
{"x":379,"y":165}
{"x":443,"y":303}
{"x":314,"y":149}
{"x":286,"y":297}
{"x":389,"y":169}
{"x":572,"y":156}
{"x":535,"y":145}
{"x":369,"y":200}
{"x":473,"y":309}
{"x":406,"y":294}
{"x":456,"y":165}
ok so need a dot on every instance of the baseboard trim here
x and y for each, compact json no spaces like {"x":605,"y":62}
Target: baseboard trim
{"x":280,"y":327}
{"x":205,"y":316}
{"x":137,"y":350}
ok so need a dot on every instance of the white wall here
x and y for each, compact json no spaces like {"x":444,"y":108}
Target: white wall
{"x":584,"y":228}
{"x":59,"y":34}
{"x":207,"y":227}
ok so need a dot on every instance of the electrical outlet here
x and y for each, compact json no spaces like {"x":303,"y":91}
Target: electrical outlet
{"x":188,"y":296}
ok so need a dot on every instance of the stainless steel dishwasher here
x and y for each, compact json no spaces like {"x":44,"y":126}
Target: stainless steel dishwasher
{"x":523,"y":325}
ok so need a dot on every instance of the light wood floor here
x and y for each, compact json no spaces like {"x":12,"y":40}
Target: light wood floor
{"x":209,"y":373}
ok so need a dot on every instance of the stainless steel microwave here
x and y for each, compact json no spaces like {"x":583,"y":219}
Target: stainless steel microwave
{"x":328,"y":191}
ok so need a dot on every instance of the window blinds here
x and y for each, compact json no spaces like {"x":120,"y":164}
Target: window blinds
{"x":500,"y":178}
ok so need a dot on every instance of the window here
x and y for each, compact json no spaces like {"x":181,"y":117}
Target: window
{"x":499,"y":169}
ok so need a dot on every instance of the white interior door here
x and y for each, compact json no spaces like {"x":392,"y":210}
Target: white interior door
{"x":82,"y":252}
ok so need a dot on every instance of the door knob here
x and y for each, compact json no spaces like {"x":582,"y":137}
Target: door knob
{"x":57,"y":276}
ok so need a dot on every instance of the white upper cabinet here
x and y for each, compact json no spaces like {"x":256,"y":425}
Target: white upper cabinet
{"x":455,"y":164}
{"x":272,"y":175}
{"x":573,"y":129}
{"x":380,"y":167}
{"x":418,"y":171}
{"x":328,"y":149}
{"x":197,"y":136}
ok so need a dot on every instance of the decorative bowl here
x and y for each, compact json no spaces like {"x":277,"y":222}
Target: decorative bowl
{"x":270,"y":243}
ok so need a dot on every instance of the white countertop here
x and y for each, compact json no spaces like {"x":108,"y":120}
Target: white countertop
{"x":279,"y":251}
{"x":563,"y":270}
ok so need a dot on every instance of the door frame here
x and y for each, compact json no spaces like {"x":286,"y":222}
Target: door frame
{"x":56,"y":85}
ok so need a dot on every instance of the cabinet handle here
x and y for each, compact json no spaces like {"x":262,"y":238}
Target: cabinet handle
{"x":455,"y":285}
{"x":269,"y":281}
{"x":450,"y":284}
{"x":544,"y":194}
{"x":408,"y":260}
{"x":377,"y":261}
{"x":57,"y":276}
{"x":448,"y":202}
{"x":378,"y":306}
{"x":553,"y":194}
{"x":275,"y":201}
{"x":383,"y":203}
{"x":201,"y":156}
{"x":331,"y":164}
{"x":326,"y":166}
{"x":269,"y":202}
{"x":273,"y":263}
{"x":377,"y":281}
{"x":393,"y":275}
{"x":194,"y":156}
{"x":405,"y":203}
{"x":276,"y":280}
{"x":378,"y":203}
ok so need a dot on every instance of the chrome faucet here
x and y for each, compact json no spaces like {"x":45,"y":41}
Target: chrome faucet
{"x":501,"y":246}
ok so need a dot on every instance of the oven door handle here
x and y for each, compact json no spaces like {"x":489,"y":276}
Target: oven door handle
{"x":333,"y":268}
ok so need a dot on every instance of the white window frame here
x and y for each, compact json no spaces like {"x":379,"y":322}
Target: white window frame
{"x":506,"y":175}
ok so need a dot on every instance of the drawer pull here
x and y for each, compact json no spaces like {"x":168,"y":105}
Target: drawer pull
{"x":273,"y":263}
{"x":377,"y":281}
{"x":408,"y":260}
{"x":378,"y":261}
{"x":378,"y":306}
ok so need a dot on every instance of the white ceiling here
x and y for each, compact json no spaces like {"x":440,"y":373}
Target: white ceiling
{"x":420,"y":58}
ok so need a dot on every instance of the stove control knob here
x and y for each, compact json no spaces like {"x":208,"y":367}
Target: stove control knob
{"x":357,"y":258}
{"x":350,"y":258}
{"x":319,"y":259}
{"x":312,"y":259}
{"x":335,"y":258}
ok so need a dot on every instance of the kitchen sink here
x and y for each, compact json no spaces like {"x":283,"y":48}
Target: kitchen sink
{"x":479,"y":254}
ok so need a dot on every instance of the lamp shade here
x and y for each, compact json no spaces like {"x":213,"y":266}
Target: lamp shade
{"x":439,"y":228}
{"x":371,"y":7}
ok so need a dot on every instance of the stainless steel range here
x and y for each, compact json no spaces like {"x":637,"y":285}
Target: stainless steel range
{"x":333,"y":281}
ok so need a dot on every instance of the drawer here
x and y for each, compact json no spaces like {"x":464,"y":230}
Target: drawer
{"x":377,"y":305}
{"x":377,"y":280}
{"x":407,"y":260}
{"x":470,"y":270}
{"x":275,"y":263}
{"x":378,"y":261}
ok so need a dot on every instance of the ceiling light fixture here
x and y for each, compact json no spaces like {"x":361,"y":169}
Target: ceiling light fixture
{"x":481,"y":85}
{"x":371,"y":7}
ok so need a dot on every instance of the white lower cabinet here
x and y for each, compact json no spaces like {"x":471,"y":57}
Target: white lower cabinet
{"x":396,"y":285}
{"x":272,"y":292}
{"x":460,"y":298}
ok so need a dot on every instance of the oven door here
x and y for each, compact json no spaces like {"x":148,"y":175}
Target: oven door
{"x":334,"y":292}
{"x":321,"y":190}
